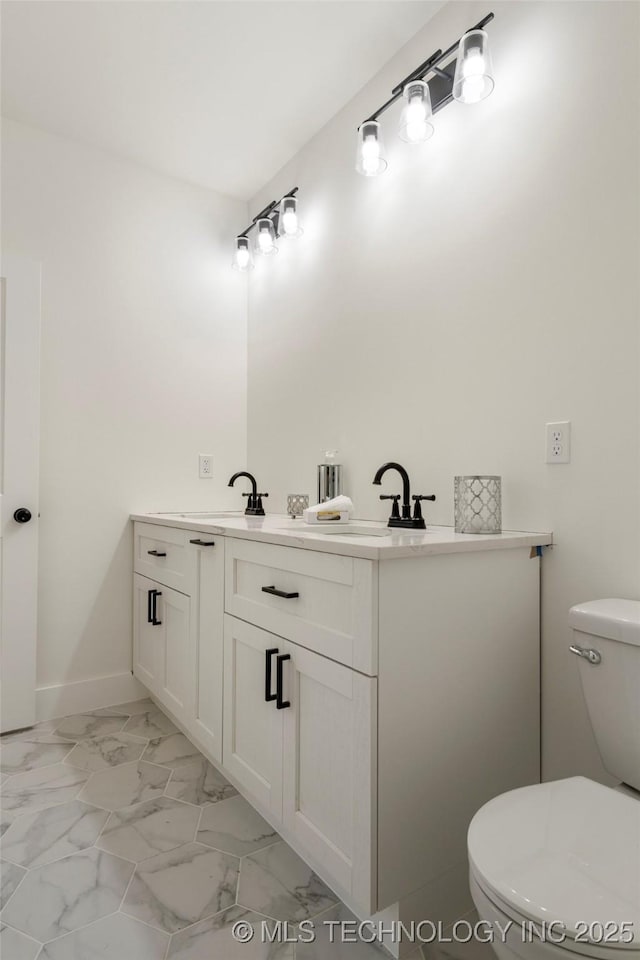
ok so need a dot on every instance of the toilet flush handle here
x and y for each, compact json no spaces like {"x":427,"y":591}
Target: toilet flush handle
{"x":593,"y":656}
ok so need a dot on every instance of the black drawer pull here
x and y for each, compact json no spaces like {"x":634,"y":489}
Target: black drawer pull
{"x":156,"y":553}
{"x":153,"y":598}
{"x":203,"y":543}
{"x":280,"y":703}
{"x":267,"y":675}
{"x":280,"y":593}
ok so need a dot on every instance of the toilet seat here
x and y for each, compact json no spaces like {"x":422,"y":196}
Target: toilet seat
{"x":532,"y":948}
{"x":566,"y":851}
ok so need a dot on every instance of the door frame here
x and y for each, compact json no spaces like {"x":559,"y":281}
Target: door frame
{"x":19,"y":483}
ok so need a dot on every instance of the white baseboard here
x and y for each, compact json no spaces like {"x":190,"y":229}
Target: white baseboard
{"x":63,"y":699}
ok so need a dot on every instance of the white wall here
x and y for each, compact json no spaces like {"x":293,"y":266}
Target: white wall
{"x":440,"y":314}
{"x":143,"y":367}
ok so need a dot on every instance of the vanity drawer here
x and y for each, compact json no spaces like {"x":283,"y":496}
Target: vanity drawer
{"x":163,"y":554}
{"x":325,"y":602}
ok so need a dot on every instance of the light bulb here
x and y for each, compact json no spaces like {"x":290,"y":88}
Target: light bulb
{"x":415,"y":126}
{"x":473,"y":73}
{"x":473,"y":79}
{"x":242,"y":259}
{"x":289,"y":223}
{"x":370,"y":153}
{"x":266,"y":239}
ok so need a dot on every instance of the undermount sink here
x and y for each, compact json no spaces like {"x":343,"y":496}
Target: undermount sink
{"x":339,"y":530}
{"x":219,"y":515}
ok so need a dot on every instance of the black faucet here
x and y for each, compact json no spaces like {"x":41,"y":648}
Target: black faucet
{"x":254,"y":504}
{"x":415,"y":522}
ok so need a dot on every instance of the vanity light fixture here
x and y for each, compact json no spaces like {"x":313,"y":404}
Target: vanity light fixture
{"x":473,"y":80}
{"x":278,"y":219}
{"x":467,"y":77}
{"x":289,"y":223}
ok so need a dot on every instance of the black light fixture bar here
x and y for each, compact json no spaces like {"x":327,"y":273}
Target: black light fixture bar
{"x":440,"y":86}
{"x":268,"y":210}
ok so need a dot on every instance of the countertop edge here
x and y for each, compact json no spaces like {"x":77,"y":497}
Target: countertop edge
{"x":508,"y":540}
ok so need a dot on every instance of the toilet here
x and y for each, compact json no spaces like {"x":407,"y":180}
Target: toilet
{"x":555,"y":867}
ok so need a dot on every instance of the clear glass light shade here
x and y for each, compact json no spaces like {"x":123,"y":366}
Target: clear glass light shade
{"x":474,"y":71}
{"x":370,"y":159}
{"x":289,"y":223}
{"x":266,"y":237}
{"x":415,"y":119}
{"x":242,"y":256}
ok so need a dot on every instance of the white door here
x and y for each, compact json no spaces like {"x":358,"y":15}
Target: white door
{"x":19,"y":449}
{"x":147,"y":641}
{"x":252,"y":724}
{"x":330,"y":775}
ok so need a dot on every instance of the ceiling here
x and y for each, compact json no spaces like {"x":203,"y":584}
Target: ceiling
{"x":221,"y":93}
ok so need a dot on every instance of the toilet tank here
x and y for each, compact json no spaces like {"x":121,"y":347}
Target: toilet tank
{"x":612,"y":687}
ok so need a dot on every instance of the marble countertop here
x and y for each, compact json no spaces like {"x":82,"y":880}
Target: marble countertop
{"x":280,"y":529}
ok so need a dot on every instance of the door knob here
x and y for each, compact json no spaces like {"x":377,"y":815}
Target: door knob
{"x":22,"y":515}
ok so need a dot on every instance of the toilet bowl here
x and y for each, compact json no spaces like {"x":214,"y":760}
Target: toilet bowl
{"x":555,"y":867}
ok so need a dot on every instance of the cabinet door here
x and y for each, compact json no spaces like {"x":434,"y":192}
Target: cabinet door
{"x":147,"y":638}
{"x":252,"y":726}
{"x":330,"y":772}
{"x":207,"y":644}
{"x":176,"y":687}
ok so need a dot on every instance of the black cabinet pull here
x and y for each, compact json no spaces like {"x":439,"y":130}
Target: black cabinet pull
{"x":154,"y":608}
{"x":280,"y":703}
{"x":150,"y":605}
{"x":280,"y":593}
{"x":156,"y":553}
{"x":267,"y":675}
{"x":203,"y":543}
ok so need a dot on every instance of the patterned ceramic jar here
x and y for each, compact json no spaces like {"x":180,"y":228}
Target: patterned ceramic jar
{"x":296,"y":503}
{"x":478,"y":504}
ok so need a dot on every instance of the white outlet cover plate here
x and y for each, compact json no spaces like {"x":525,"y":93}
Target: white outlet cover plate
{"x":205,"y":461}
{"x":558,"y":442}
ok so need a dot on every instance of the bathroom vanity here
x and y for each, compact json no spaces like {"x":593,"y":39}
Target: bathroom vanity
{"x":367,"y":693}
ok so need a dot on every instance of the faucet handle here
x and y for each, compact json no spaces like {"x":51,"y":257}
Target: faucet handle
{"x":395,"y":512}
{"x":417,"y":510}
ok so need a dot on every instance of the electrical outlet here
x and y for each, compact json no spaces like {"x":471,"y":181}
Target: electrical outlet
{"x":205,"y":460}
{"x":558,"y":445}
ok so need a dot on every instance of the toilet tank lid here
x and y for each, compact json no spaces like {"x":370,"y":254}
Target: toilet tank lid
{"x":614,"y":619}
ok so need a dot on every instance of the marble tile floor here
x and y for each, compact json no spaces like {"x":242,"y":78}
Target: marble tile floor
{"x":120,"y":841}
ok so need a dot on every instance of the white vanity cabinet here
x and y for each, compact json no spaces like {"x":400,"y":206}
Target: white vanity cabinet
{"x":177,"y":638}
{"x":367,"y":699}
